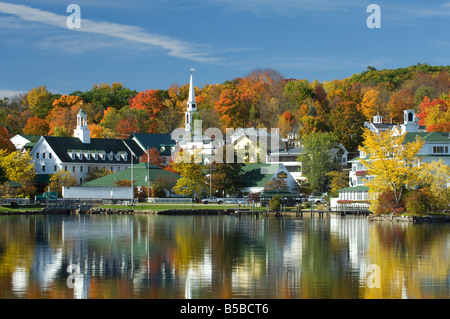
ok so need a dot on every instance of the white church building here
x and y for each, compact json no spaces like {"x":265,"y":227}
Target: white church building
{"x":78,"y":155}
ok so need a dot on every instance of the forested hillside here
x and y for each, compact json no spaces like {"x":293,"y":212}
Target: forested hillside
{"x":262,"y":98}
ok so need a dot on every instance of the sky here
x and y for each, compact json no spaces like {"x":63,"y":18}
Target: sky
{"x":151,"y":44}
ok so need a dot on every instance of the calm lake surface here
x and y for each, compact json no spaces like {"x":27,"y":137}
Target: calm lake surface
{"x":151,"y":256}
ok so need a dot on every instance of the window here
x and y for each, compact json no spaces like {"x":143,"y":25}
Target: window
{"x":37,"y":155}
{"x":49,"y":155}
{"x":88,"y":156}
{"x":43,"y":168}
{"x":440,"y":149}
{"x":73,"y":169}
{"x":65,"y":168}
{"x":43,"y":155}
{"x":81,"y":168}
{"x":55,"y":168}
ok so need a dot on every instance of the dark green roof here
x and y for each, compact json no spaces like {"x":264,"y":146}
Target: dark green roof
{"x":42,"y":178}
{"x":62,"y":145}
{"x":140,"y":171}
{"x":147,"y":140}
{"x":253,"y":177}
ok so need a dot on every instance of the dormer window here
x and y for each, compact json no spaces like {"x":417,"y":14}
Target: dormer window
{"x":88,"y":155}
{"x":96,"y":155}
{"x":118,"y":156}
{"x":111,"y":156}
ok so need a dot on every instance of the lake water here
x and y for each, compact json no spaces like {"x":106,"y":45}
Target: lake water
{"x":168,"y":257}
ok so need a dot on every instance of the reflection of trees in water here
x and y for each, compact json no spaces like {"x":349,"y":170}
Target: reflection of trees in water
{"x":413,"y":260}
{"x":145,"y":256}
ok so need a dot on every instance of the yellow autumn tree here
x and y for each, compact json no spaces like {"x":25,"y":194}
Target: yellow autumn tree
{"x":391,"y":162}
{"x":434,"y":176}
{"x":18,"y":167}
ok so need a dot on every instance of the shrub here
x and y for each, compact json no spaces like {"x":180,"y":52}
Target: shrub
{"x":385,"y":204}
{"x":275,"y":203}
{"x":418,"y":202}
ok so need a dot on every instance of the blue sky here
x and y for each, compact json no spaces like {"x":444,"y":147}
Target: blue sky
{"x":150,"y":44}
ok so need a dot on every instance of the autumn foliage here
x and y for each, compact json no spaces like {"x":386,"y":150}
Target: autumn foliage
{"x":261,"y":98}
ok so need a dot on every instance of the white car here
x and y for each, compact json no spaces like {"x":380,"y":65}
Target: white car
{"x":315,"y":200}
{"x":212,"y":200}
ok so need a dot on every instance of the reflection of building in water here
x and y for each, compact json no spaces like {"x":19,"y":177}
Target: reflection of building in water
{"x":198,"y":276}
{"x":19,"y":281}
{"x":356,"y":231}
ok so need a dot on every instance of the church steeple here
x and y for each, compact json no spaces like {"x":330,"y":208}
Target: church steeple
{"x":191,"y":106}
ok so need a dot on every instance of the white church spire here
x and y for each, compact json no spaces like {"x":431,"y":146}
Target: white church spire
{"x":191,"y":98}
{"x":191,"y":106}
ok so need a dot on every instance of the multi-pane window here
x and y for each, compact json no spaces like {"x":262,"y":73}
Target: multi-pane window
{"x":440,"y":149}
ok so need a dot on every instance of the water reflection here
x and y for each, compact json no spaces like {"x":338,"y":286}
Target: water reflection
{"x":146,"y":256}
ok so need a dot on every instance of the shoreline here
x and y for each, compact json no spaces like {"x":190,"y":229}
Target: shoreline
{"x":225,"y":211}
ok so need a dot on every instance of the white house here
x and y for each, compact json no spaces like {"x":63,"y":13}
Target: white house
{"x":78,"y":155}
{"x":22,"y":141}
{"x":436,"y":146}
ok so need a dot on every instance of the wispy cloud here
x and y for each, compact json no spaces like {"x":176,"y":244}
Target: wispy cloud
{"x":174,"y":47}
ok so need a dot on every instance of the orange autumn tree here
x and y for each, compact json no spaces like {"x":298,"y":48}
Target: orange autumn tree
{"x":63,"y":118}
{"x":286,"y":123}
{"x":233,"y":107}
{"x":152,"y":102}
{"x":400,"y":101}
{"x":66,"y":101}
{"x":372,"y":104}
{"x":435,"y":115}
{"x":36,"y":126}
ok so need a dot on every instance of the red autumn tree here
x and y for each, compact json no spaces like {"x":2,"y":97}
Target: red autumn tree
{"x":5,"y":142}
{"x":153,"y":157}
{"x":126,"y":126}
{"x":435,"y":115}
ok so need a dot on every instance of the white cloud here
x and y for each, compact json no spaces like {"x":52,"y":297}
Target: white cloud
{"x":9,"y":93}
{"x":174,"y":47}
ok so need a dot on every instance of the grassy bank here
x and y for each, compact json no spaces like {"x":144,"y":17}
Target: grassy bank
{"x":23,"y":208}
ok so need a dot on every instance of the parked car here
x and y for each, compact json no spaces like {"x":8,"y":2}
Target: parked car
{"x":212,"y":200}
{"x":316,"y":200}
